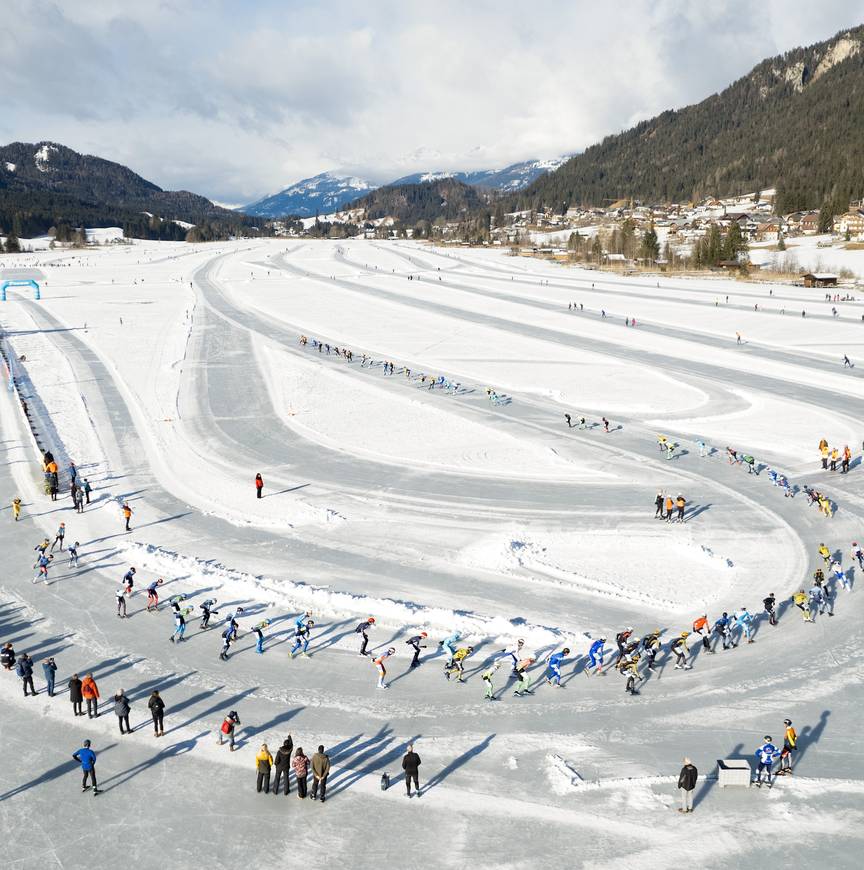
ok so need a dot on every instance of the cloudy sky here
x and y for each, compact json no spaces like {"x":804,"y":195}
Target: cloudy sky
{"x":235,"y":100}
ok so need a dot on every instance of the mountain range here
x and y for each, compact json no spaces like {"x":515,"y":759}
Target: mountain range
{"x":330,"y":191}
{"x":45,"y":185}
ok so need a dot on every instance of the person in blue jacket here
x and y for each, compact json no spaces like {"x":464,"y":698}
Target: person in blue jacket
{"x":448,"y":645}
{"x":745,"y":624}
{"x":722,"y":630}
{"x":86,"y":757}
{"x":595,"y":656}
{"x":49,"y":669}
{"x":302,"y":636}
{"x":553,"y":673}
{"x":766,"y":754}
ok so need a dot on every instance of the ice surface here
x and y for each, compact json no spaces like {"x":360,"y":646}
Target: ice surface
{"x":172,"y":373}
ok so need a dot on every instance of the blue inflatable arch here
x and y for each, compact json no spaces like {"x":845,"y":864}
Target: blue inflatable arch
{"x":26,"y":283}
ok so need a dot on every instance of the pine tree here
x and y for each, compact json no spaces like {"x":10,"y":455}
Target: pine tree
{"x":650,"y":249}
{"x":13,"y":246}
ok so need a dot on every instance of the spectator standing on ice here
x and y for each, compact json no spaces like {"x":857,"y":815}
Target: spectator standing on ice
{"x":90,"y":691}
{"x":121,"y":711}
{"x":259,"y":485}
{"x":228,"y":727}
{"x":127,"y":515}
{"x":282,"y":765}
{"x":766,"y":754}
{"x":686,"y":784}
{"x":49,"y":669}
{"x":157,"y":710}
{"x":411,"y":765}
{"x":790,"y":745}
{"x":7,"y":657}
{"x":320,"y":772}
{"x":86,"y":757}
{"x":263,"y":763}
{"x":24,"y":669}
{"x":301,"y":771}
{"x":75,"y":695}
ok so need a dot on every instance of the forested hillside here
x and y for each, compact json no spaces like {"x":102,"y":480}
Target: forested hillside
{"x":796,"y":122}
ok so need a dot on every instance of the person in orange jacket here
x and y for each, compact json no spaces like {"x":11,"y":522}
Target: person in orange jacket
{"x":702,"y":627}
{"x":669,"y":507}
{"x":847,"y":458}
{"x":127,"y":515}
{"x":90,"y":693}
{"x":259,"y":484}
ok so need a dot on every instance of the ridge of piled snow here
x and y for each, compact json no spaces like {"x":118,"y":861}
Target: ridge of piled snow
{"x":298,"y":596}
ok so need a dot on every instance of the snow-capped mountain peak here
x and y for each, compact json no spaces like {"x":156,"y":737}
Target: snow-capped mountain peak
{"x":321,"y":194}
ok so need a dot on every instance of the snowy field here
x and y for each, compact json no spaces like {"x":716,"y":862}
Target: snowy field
{"x":172,"y":373}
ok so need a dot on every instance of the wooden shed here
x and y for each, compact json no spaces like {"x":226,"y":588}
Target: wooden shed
{"x":819,"y":279}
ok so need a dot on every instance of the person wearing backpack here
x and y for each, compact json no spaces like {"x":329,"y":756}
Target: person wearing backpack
{"x":230,"y":723}
{"x":157,"y":710}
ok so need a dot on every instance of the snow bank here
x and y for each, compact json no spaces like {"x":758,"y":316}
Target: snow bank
{"x":297,"y":596}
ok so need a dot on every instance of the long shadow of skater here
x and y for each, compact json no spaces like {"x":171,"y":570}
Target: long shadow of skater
{"x":580,"y":665}
{"x":320,"y":647}
{"x":219,"y":706}
{"x":372,"y":764}
{"x":48,"y":775}
{"x":809,"y":736}
{"x":694,"y":511}
{"x":710,"y":780}
{"x":290,"y":489}
{"x":249,"y":732}
{"x":173,"y":751}
{"x":341,"y":752}
{"x":456,"y":763}
{"x":109,"y":667}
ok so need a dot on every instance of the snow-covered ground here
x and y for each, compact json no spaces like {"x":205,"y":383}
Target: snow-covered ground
{"x":172,"y":373}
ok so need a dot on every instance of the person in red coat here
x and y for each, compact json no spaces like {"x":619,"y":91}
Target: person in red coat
{"x":259,"y":484}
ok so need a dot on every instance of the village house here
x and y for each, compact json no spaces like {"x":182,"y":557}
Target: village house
{"x":809,"y":224}
{"x":851,"y":222}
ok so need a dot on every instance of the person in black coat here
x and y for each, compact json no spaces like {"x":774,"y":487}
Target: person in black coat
{"x":75,"y":695}
{"x":686,"y":783}
{"x":411,"y":764}
{"x":7,"y":657}
{"x":24,"y":670}
{"x":282,"y":765}
{"x":157,"y":711}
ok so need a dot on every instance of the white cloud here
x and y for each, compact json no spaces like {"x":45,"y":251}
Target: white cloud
{"x":234,"y":100}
